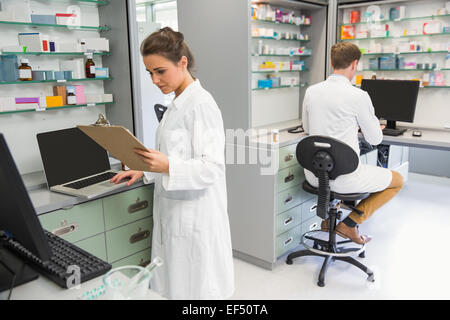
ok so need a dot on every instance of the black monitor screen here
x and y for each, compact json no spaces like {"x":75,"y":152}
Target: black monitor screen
{"x":69,"y":155}
{"x":393,"y":100}
{"x":17,"y":215}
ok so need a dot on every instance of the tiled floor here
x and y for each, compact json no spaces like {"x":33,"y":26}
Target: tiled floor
{"x":409,"y":253}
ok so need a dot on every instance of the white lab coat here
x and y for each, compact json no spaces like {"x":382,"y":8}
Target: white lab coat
{"x":335,"y":108}
{"x":191,"y":231}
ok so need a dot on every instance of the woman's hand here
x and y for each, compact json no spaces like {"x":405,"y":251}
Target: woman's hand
{"x":157,"y":161}
{"x":133,"y":175}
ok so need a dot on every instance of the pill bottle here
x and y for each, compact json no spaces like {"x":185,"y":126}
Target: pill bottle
{"x":275,"y":135}
{"x":25,"y":71}
{"x":90,"y":66}
{"x":71,"y":98}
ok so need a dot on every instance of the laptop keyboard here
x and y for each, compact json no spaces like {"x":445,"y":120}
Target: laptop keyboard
{"x":90,"y":181}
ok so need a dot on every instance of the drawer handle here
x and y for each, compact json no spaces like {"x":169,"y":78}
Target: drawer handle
{"x":288,"y":241}
{"x":313,"y":226}
{"x":288,"y":220}
{"x":141,"y":235}
{"x":138,"y":206}
{"x":65,"y":230}
{"x":289,"y":199}
{"x":143,"y":263}
{"x":68,"y":207}
{"x":289,"y":157}
{"x":289,"y":178}
{"x":313,"y":208}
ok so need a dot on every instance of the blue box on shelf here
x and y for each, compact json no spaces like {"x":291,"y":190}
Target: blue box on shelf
{"x":276,"y":82}
{"x":38,"y":75}
{"x":1,"y":70}
{"x":59,"y":75}
{"x":400,"y":62}
{"x":49,"y":75}
{"x":43,"y":19}
{"x":387,"y":63}
{"x":265,"y":83}
{"x":373,"y":64}
{"x":68,"y":75}
{"x":10,"y":68}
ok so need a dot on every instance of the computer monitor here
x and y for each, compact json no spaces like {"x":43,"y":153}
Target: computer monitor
{"x":393,"y":100}
{"x":18,"y":217}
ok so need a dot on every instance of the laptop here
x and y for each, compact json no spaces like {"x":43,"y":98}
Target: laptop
{"x":75,"y":164}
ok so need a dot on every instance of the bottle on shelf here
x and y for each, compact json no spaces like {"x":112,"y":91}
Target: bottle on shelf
{"x":90,"y":66}
{"x":71,"y":98}
{"x":25,"y":71}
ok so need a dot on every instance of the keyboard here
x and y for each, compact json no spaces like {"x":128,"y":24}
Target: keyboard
{"x":60,"y":268}
{"x":90,"y":181}
{"x":393,"y":132}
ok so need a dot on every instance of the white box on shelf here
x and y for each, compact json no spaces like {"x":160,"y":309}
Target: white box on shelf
{"x":96,"y":44}
{"x":70,"y":19}
{"x":69,"y":47}
{"x":7,"y":104}
{"x":13,"y":10}
{"x":108,"y":97}
{"x":26,"y":106}
{"x":32,"y":40}
{"x":74,"y":65}
{"x":94,"y":98}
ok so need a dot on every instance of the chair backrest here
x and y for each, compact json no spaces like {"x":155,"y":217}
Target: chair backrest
{"x":337,"y":156}
{"x":327,"y":158}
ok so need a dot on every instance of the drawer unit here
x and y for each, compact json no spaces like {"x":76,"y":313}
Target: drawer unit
{"x":126,"y":207}
{"x":291,"y":197}
{"x":287,"y":156}
{"x":309,"y":209}
{"x":94,"y":245}
{"x":289,"y":177}
{"x":129,"y":239}
{"x":288,"y":240}
{"x":76,"y":223}
{"x":141,"y":258}
{"x":289,"y":219}
{"x":311,"y":224}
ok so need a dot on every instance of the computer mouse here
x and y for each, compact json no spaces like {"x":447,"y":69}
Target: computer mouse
{"x":417,"y":133}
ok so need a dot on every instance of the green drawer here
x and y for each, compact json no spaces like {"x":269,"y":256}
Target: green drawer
{"x":291,"y":197}
{"x":309,"y":209}
{"x":288,"y":156}
{"x":129,"y":206}
{"x":290,"y":177}
{"x":288,"y":240}
{"x":76,"y":223}
{"x":289,"y":219}
{"x":129,"y":239}
{"x":141,"y":258}
{"x":94,"y":245}
{"x":311,"y":224}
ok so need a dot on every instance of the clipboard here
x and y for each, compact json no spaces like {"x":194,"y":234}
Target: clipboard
{"x":119,"y":142}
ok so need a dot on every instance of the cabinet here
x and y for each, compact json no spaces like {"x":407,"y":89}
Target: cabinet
{"x":116,"y":228}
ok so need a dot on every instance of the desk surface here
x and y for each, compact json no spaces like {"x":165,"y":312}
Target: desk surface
{"x":44,"y":289}
{"x":431,"y":138}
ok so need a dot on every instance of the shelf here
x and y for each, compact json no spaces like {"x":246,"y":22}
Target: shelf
{"x":281,"y":87}
{"x":4,"y":53}
{"x":281,"y":55}
{"x":56,"y":108}
{"x":400,"y":37}
{"x":394,"y":70}
{"x":281,"y":23}
{"x":399,"y":20}
{"x":393,"y":53}
{"x":279,"y":71}
{"x":84,"y":28}
{"x":55,"y":81}
{"x":270,"y":38}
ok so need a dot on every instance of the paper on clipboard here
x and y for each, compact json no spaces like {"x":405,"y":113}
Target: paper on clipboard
{"x":119,"y":142}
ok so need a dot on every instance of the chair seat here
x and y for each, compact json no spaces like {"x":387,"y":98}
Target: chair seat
{"x":338,"y":196}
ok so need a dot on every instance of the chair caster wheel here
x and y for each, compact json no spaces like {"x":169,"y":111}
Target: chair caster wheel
{"x":288,"y":261}
{"x":321,"y":284}
{"x":362,"y":254}
{"x":371,"y":278}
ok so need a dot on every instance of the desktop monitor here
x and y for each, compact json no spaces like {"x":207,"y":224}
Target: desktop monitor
{"x":393,"y":100}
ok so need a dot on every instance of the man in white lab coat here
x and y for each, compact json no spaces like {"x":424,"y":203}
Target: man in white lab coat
{"x":337,"y":109}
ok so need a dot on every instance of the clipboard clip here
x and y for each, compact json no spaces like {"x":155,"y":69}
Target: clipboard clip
{"x":102,"y":121}
{"x":159,"y":110}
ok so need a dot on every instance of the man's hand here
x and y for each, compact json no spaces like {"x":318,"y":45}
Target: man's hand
{"x":382,"y":126}
{"x":132,"y":174}
{"x":157,"y":161}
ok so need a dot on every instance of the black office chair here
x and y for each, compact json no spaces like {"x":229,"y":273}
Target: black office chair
{"x":329,"y":158}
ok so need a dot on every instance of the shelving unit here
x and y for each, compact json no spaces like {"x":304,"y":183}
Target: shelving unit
{"x":54,"y":81}
{"x":58,"y":108}
{"x":282,"y":87}
{"x":62,"y":26}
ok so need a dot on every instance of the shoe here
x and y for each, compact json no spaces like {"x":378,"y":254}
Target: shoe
{"x":352,"y":233}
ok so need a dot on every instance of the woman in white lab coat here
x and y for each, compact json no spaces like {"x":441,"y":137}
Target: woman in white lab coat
{"x":191,"y":230}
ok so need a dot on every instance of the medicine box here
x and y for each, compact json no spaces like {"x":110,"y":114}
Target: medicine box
{"x":387,"y":63}
{"x":43,"y":19}
{"x":101,"y":73}
{"x":76,"y":66}
{"x":68,"y":75}
{"x":108,"y":97}
{"x":9,"y":68}
{"x":59,"y":75}
{"x":79,"y":93}
{"x":373,"y":64}
{"x":66,"y":18}
{"x":33,"y":41}
{"x":38,"y":75}
{"x":265,"y":83}
{"x":54,"y":101}
{"x":7,"y":104}
{"x":96,"y":44}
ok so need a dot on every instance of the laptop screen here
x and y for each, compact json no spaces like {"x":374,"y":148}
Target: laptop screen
{"x":70,"y":154}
